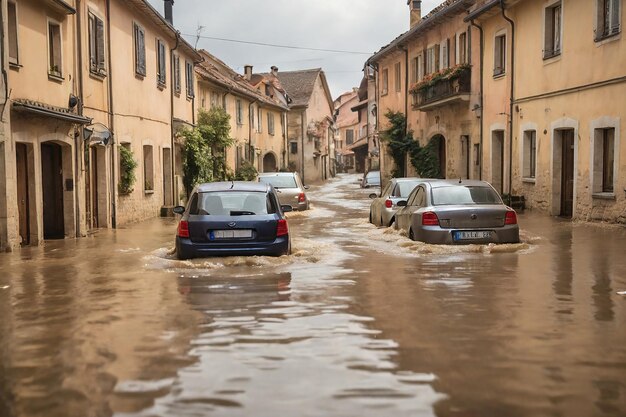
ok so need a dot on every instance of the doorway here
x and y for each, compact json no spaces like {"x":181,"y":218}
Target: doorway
{"x":52,"y":184}
{"x":567,"y":173}
{"x":440,"y":147}
{"x":269,"y":162}
{"x":465,"y":157}
{"x":167,"y":177}
{"x":23,"y":192}
{"x":497,"y":160}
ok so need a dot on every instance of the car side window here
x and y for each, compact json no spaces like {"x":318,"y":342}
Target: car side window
{"x":193,"y":207}
{"x":272,"y":205}
{"x":409,"y":201}
{"x":419,"y":197}
{"x":386,"y":191}
{"x":396,"y":191}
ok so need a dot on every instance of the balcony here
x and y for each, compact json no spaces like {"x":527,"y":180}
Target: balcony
{"x":443,"y":88}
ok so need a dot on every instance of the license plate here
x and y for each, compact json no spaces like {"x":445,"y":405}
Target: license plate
{"x":470,"y":235}
{"x":230,"y":234}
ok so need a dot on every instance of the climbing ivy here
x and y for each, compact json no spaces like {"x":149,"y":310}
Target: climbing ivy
{"x":127,"y":171}
{"x":197,"y":160}
{"x":247,"y":172}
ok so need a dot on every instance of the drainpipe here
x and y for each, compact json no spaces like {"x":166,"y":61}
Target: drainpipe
{"x":250,"y":127}
{"x":512,"y":95}
{"x":111,"y":120}
{"x":480,"y":96}
{"x":78,"y":137}
{"x":406,"y":102}
{"x":172,"y":132}
{"x":302,"y":150}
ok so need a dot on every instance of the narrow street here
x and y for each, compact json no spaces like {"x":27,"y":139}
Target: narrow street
{"x":358,"y":321}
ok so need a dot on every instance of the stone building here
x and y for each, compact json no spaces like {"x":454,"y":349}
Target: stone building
{"x":347,"y":128}
{"x":257,"y":120}
{"x":366,"y":147}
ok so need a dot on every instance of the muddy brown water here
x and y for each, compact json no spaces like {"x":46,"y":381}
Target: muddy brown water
{"x":359,"y":321}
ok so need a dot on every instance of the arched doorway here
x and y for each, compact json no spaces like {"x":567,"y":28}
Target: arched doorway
{"x":439,"y":145}
{"x":269,"y":162}
{"x":52,"y":185}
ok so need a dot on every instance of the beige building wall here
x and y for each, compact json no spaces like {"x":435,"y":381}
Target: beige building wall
{"x":319,"y":111}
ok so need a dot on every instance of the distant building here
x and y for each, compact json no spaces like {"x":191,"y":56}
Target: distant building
{"x":347,"y":125}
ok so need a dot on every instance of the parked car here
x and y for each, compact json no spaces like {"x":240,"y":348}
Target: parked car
{"x":289,"y":187}
{"x":383,"y":208}
{"x":457,"y":212}
{"x":232,"y":218}
{"x":371,"y":179}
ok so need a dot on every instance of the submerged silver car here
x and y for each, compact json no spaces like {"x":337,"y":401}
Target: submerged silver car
{"x":291,"y":191}
{"x":384,"y":206}
{"x":457,"y":212}
{"x":371,"y":179}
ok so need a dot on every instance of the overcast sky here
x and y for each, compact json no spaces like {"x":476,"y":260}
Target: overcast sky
{"x":347,"y":25}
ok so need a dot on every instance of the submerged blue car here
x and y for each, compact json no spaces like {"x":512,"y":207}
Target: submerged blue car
{"x":232,"y":219}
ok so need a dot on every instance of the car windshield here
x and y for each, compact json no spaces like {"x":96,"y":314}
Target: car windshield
{"x":406,"y":187}
{"x":463,"y":195}
{"x":372,"y":175}
{"x":280,"y":181}
{"x":232,"y":203}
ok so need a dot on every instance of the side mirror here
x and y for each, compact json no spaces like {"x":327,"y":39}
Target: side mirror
{"x":286,"y":208}
{"x":401,"y":203}
{"x":373,"y":195}
{"x":179,"y":210}
{"x":306,"y":187}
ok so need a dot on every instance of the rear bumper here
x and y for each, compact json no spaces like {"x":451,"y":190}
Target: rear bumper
{"x":186,"y":249}
{"x":438,"y":236}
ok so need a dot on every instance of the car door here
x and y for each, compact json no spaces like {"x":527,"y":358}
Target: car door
{"x":403,"y":215}
{"x":377,"y":204}
{"x":416,"y":208}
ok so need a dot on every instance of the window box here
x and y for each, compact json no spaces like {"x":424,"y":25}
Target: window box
{"x":603,"y":196}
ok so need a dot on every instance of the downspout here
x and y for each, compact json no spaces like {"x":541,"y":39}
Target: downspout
{"x":302,"y":150}
{"x":480,"y":96}
{"x":250,"y":127}
{"x":512,"y":98}
{"x":283,"y":122}
{"x":111,"y":120}
{"x":5,"y":76}
{"x":78,"y":136}
{"x":172,"y":132}
{"x":406,"y":103}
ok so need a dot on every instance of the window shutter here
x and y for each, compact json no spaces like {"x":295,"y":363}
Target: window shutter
{"x":100,"y":43}
{"x":453,"y":48}
{"x":141,"y":51}
{"x":497,"y":56}
{"x":548,"y":33}
{"x":92,"y":44}
{"x":437,"y":58}
{"x":615,"y":14}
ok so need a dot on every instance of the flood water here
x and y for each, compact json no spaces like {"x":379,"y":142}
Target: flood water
{"x":358,"y":321}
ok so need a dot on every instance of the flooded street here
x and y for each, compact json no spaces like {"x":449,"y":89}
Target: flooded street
{"x":358,"y":321}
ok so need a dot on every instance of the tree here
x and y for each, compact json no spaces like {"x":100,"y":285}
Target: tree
{"x":197,"y":161}
{"x":214,"y":127}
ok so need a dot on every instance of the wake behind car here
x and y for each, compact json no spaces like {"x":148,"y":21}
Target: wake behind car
{"x":384,"y":206}
{"x":232,"y":218}
{"x":457,"y":212}
{"x":289,"y":188}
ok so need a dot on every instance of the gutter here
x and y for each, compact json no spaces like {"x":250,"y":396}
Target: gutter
{"x":302,"y":118}
{"x":512,"y":98}
{"x":172,"y":144}
{"x":480,"y":97}
{"x":78,"y":136}
{"x":111,"y":120}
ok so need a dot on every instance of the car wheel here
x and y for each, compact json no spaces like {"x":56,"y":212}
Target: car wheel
{"x":411,"y":236}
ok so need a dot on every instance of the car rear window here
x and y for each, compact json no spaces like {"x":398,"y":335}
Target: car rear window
{"x":460,"y":194}
{"x":232,"y":203}
{"x":280,"y":181}
{"x":405,"y":187}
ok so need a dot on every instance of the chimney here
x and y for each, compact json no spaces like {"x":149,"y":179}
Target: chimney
{"x":415,"y":6}
{"x":247,"y":74}
{"x":169,"y":13}
{"x":275,"y":71}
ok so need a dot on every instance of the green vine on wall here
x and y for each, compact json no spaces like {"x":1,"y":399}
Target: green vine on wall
{"x":128,"y":165}
{"x":247,"y":172}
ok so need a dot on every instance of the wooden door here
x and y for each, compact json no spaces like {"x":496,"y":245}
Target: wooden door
{"x":567,"y":173}
{"x":52,"y":183}
{"x":21,"y":155}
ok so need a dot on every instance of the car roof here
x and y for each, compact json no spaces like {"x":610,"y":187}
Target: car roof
{"x":403,"y":179}
{"x":233,"y":186}
{"x":277,"y":174}
{"x":466,"y":183}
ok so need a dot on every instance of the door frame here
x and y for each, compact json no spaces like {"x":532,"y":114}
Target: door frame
{"x":556,"y":149}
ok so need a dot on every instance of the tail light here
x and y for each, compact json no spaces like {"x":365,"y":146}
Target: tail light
{"x":510,"y":217}
{"x":388,"y":203}
{"x":282,"y":229}
{"x":183,"y":229}
{"x":301,"y":198}
{"x":430,"y":219}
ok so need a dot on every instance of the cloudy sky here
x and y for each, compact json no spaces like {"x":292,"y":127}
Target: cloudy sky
{"x":360,"y":26}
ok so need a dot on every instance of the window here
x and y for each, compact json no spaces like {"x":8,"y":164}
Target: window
{"x":54,"y":49}
{"x":477,"y":154}
{"x":270,"y":123}
{"x":445,"y":54}
{"x":176,"y":73}
{"x":608,"y":18}
{"x":96,"y":45}
{"x":13,"y":45}
{"x":416,"y":69}
{"x":349,"y":137}
{"x":293,"y":147}
{"x":432,"y":59}
{"x":604,"y":160}
{"x":148,"y":168}
{"x":259,"y":120}
{"x":552,"y":44}
{"x":215,"y":99}
{"x":161,"y":63}
{"x":529,"y":154}
{"x":462,"y":48}
{"x":385,"y":86}
{"x":499,"y":55}
{"x":189,"y":79}
{"x":140,"y":50}
{"x":398,"y":74}
{"x":239,"y":112}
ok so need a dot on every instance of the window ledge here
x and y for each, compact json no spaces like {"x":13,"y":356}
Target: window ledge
{"x":603,"y":196}
{"x":99,"y":75}
{"x":15,"y":65}
{"x":601,"y":40}
{"x":55,"y":77}
{"x":529,"y":180}
{"x":497,"y":76}
{"x":140,"y":76}
{"x":161,"y":86}
{"x":148,"y":192}
{"x":549,"y":58}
